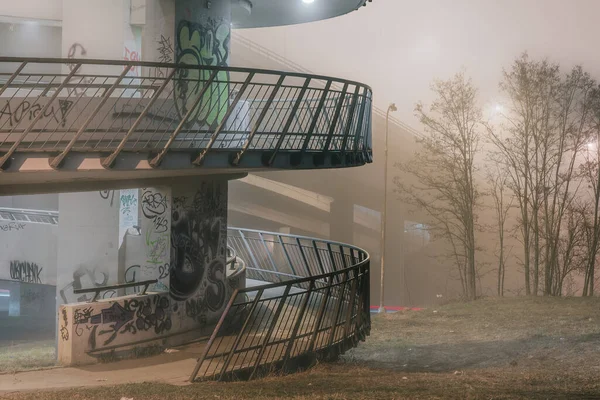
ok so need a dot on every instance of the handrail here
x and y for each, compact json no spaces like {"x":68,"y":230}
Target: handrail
{"x":101,"y":108}
{"x":99,"y":289}
{"x":300,"y":315}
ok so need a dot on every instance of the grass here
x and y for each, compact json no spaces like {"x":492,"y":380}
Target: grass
{"x":19,"y":356}
{"x":531,"y":348}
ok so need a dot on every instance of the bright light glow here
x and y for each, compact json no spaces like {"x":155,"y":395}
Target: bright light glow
{"x":498,"y":108}
{"x":591,"y":145}
{"x":308,"y":1}
{"x":4,"y":295}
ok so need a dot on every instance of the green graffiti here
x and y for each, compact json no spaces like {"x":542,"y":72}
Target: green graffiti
{"x":202,"y":45}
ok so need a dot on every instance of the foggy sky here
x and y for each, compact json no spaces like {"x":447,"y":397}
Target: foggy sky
{"x":399,"y":46}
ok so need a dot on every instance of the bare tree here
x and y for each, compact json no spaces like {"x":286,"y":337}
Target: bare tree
{"x":444,"y":171}
{"x":498,"y":180}
{"x":548,"y":124}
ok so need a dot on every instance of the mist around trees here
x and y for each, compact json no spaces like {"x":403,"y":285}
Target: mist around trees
{"x":532,"y":162}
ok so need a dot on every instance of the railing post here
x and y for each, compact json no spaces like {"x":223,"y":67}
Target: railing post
{"x":336,"y":117}
{"x":240,"y":333}
{"x":42,"y":112}
{"x":108,"y":161}
{"x":318,"y":256}
{"x":338,"y":308}
{"x":57,"y":161}
{"x":350,"y":119}
{"x":213,"y":336}
{"x":239,"y":156}
{"x":309,"y":273}
{"x":271,"y":329}
{"x":287,"y":256}
{"x":361,"y":116}
{"x":221,"y":126}
{"x":13,"y":77}
{"x":158,"y":159}
{"x":290,"y":346}
{"x":316,"y":117}
{"x":311,"y":346}
{"x":288,"y":123}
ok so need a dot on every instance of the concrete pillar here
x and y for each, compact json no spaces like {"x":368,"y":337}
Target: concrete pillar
{"x":88,"y":243}
{"x":202,"y":38}
{"x":198,"y":249}
{"x":341,"y":220}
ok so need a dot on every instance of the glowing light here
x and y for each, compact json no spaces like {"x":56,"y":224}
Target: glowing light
{"x":591,"y":145}
{"x":498,"y":108}
{"x":308,"y":1}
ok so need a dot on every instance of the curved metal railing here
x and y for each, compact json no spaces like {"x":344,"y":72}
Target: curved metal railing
{"x":318,"y":306}
{"x":64,"y":106}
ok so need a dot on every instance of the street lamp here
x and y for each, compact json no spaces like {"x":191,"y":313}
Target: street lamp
{"x":391,"y":107}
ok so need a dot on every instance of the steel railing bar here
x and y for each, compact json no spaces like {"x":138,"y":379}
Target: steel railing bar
{"x":287,"y":255}
{"x":238,"y":338}
{"x":13,"y":148}
{"x":313,"y":124}
{"x":270,"y":331}
{"x":350,"y":120}
{"x":155,"y":162}
{"x":336,"y":117}
{"x":213,"y":336}
{"x":57,"y":161}
{"x":264,"y":111}
{"x":108,"y":161}
{"x":13,"y":77}
{"x":290,"y":119}
{"x":214,"y":136}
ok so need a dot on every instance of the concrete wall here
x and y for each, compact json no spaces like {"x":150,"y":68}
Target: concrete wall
{"x":28,"y":252}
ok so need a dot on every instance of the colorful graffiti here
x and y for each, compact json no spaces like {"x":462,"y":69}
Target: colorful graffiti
{"x":202,"y":45}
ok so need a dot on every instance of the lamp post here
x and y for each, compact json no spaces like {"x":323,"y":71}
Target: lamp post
{"x":391,"y":107}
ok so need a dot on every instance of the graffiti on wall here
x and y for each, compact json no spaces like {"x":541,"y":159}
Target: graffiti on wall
{"x":156,"y":210}
{"x":165,"y":55}
{"x":108,"y":194}
{"x":77,"y":51}
{"x":198,"y":246}
{"x":12,"y":226}
{"x":84,"y":278}
{"x":13,"y":114}
{"x":25,"y":271}
{"x":64,"y":331}
{"x":134,"y":316}
{"x":202,"y":45}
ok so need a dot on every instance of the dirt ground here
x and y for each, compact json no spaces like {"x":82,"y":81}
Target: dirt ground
{"x":531,"y":348}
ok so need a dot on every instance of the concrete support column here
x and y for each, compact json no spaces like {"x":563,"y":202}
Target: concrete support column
{"x":100,"y":30}
{"x":341,"y":220}
{"x":198,"y":249}
{"x":88,"y":242}
{"x":202,"y":38}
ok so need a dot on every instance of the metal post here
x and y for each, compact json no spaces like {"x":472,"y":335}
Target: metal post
{"x":213,"y":336}
{"x":392,"y":107}
{"x":158,"y":159}
{"x":271,"y":329}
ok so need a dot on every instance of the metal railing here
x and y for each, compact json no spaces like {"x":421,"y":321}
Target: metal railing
{"x":317,"y":307}
{"x":61,"y":106}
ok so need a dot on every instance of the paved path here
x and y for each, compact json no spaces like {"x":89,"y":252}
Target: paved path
{"x":173,"y":368}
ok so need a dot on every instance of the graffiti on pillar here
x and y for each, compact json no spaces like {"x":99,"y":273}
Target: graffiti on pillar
{"x":133,"y":316}
{"x":165,"y":55}
{"x":25,"y":271}
{"x":198,"y":246}
{"x":84,"y":278}
{"x":108,"y":194}
{"x":64,"y":331}
{"x":202,"y":45}
{"x":77,"y":51}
